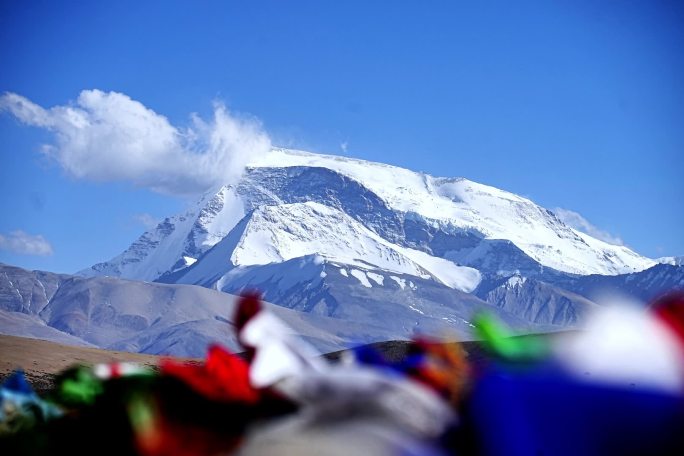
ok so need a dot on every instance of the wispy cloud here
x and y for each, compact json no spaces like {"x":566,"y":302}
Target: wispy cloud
{"x":576,"y":221}
{"x":25,"y":244}
{"x":107,"y":136}
{"x":146,"y":220}
{"x":344,"y":146}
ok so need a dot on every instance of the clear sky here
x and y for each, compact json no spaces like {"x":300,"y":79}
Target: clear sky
{"x":578,"y":105}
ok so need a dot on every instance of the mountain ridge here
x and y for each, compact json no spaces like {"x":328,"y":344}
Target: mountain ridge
{"x":398,"y":215}
{"x":153,"y":318}
{"x":357,"y":241}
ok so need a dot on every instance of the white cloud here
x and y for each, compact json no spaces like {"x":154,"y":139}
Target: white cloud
{"x":25,"y":244}
{"x":671,"y":260}
{"x":344,"y":146}
{"x":576,"y":221}
{"x":107,"y":136}
{"x":146,"y":220}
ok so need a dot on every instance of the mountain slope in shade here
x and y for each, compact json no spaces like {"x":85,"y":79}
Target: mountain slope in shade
{"x":31,"y":326}
{"x":152,"y":318}
{"x":563,"y":299}
{"x":643,"y":286}
{"x":539,"y":302}
{"x":27,"y":292}
{"x":403,"y":304}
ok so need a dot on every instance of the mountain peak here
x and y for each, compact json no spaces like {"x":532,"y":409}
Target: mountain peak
{"x":454,"y":220}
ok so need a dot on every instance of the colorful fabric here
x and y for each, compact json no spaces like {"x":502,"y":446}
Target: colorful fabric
{"x":20,"y":407}
{"x":615,"y":387}
{"x":670,"y":309}
{"x":502,"y":343}
{"x":326,"y":391}
{"x":223,"y":376}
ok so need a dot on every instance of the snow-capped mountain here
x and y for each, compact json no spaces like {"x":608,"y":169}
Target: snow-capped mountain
{"x":451,"y":218}
{"x":349,"y":251}
{"x":274,"y":234}
{"x":177,"y":241}
{"x":352,"y":239}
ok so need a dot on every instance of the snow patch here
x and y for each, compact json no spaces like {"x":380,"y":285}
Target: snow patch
{"x":189,"y":261}
{"x":416,"y":310}
{"x":401,"y":282}
{"x":377,"y":278}
{"x":361,"y":276}
{"x":450,"y":274}
{"x":515,"y":281}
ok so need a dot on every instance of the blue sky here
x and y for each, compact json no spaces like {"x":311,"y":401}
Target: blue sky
{"x":578,"y":105}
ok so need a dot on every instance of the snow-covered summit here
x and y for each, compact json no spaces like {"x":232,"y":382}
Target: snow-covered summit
{"x":467,"y":205}
{"x":300,"y":203}
{"x":177,"y":241}
{"x":275,"y":234}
